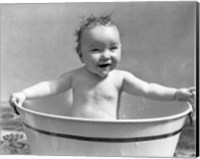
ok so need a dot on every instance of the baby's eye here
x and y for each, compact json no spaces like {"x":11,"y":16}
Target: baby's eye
{"x":95,"y":50}
{"x":113,"y":48}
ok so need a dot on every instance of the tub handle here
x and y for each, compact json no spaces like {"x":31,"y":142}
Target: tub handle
{"x":14,"y":106}
{"x":190,"y":114}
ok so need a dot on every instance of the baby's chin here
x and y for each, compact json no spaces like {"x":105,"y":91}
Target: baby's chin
{"x":103,"y":73}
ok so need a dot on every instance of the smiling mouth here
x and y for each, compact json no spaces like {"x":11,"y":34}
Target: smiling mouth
{"x":104,"y":65}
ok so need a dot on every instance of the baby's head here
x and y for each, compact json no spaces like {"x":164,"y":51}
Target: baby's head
{"x":98,"y":44}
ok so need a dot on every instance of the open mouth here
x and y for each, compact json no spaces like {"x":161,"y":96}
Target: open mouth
{"x":104,"y":65}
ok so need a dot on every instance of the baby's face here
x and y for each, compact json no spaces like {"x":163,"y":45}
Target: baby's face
{"x":101,"y":49}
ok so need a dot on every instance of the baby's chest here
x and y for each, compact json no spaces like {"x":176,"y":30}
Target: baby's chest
{"x":100,"y":91}
{"x":108,"y":93}
{"x":97,"y":89}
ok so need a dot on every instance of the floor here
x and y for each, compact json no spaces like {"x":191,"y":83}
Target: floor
{"x":13,"y":138}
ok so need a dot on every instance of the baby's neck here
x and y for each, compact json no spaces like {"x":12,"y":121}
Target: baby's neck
{"x":95,"y":75}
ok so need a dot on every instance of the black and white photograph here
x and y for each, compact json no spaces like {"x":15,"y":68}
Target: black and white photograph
{"x":99,"y":79}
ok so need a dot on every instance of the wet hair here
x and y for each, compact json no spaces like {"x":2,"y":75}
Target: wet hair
{"x":89,"y":23}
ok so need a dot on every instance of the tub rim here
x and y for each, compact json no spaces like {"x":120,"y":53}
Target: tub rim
{"x":145,"y":120}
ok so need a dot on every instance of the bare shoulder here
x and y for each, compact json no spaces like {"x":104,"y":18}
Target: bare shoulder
{"x":79,"y":72}
{"x":71,"y":73}
{"x":128,"y":77}
{"x":123,"y":74}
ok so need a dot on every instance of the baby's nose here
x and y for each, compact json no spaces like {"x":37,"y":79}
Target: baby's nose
{"x":105,"y":55}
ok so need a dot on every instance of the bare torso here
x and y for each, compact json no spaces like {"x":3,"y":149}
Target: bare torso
{"x":95,"y":97}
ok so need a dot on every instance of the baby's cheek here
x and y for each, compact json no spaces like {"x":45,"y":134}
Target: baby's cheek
{"x":95,"y":57}
{"x":115,"y":63}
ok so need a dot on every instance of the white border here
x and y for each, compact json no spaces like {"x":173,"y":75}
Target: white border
{"x":61,"y":1}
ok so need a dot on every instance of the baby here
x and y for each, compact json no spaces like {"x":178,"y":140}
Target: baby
{"x":97,"y":86}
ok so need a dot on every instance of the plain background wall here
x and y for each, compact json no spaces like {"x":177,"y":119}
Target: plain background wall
{"x":37,"y":41}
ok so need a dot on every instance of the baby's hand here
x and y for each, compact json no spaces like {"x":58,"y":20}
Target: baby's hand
{"x":186,"y":94}
{"x":17,"y":99}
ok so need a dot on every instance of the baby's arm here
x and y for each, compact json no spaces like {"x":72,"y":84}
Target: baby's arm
{"x":48,"y":88}
{"x":135,"y":86}
{"x":42,"y":89}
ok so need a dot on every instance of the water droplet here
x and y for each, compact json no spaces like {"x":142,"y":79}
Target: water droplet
{"x":140,"y":111}
{"x":124,"y":115}
{"x":136,"y":144}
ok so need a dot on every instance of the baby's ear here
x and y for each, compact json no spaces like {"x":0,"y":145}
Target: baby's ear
{"x":79,"y":53}
{"x":81,"y":57}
